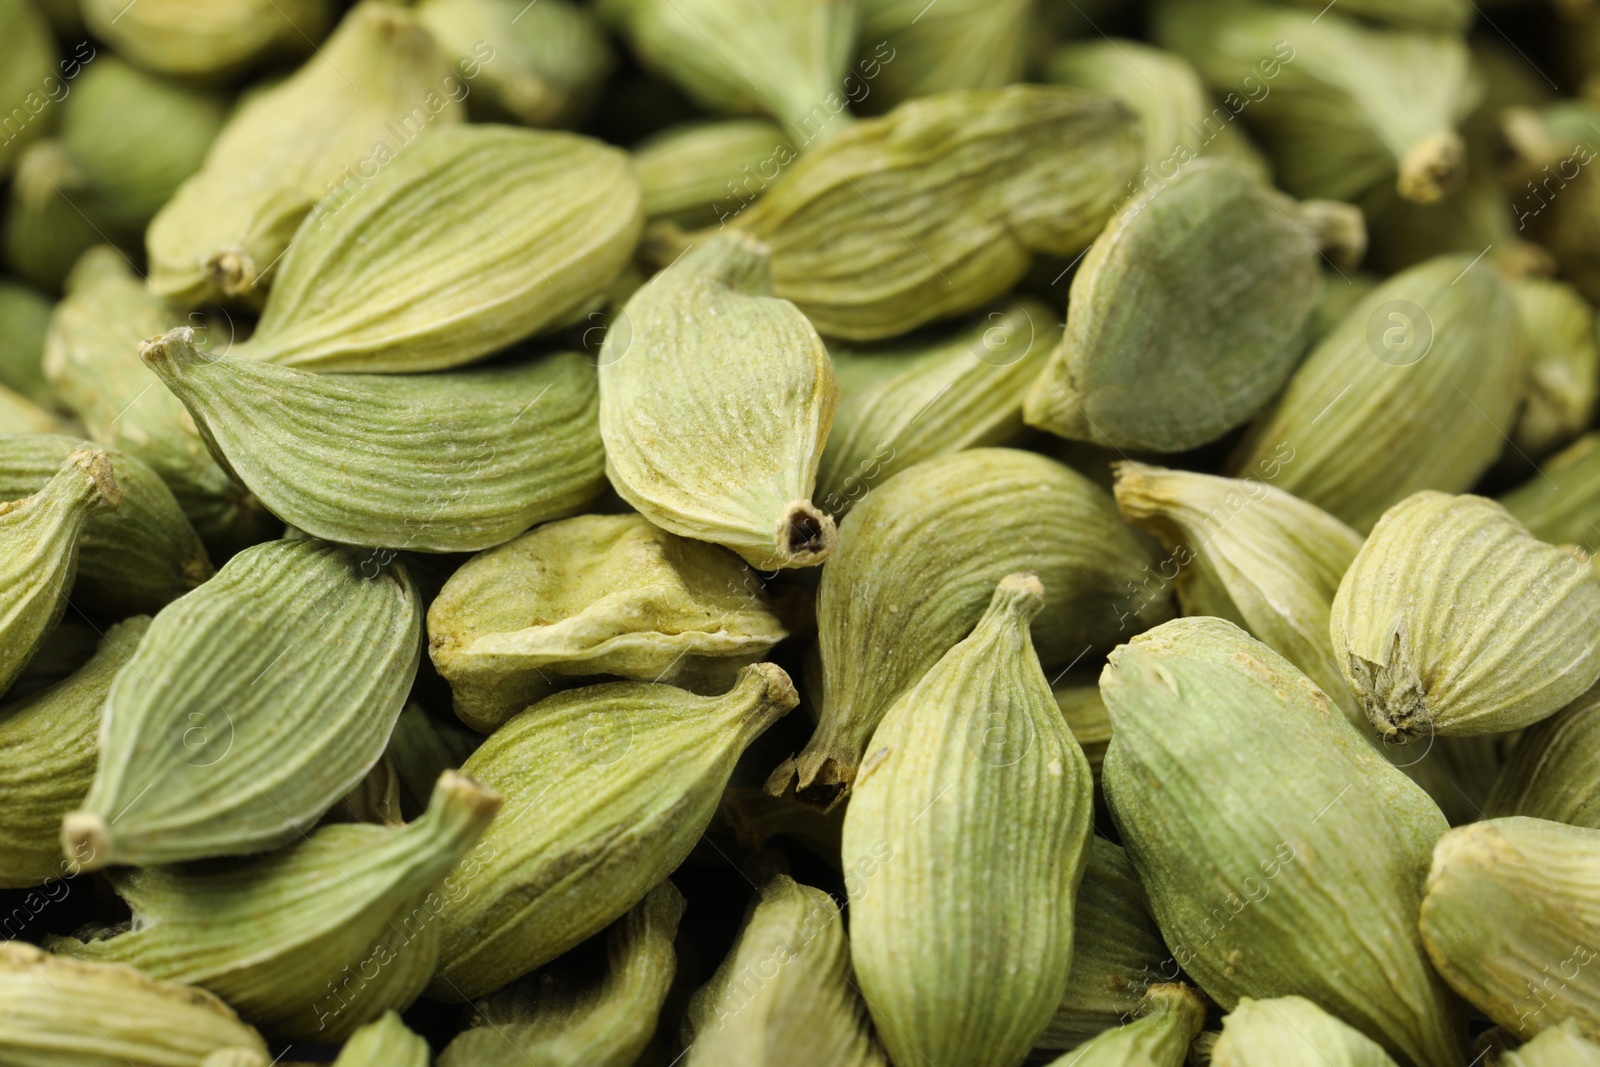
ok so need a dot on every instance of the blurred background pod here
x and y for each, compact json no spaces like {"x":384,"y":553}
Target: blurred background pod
{"x":208,"y":39}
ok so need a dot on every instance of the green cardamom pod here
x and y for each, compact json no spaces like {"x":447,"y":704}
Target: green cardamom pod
{"x":375,"y":799}
{"x":1282,"y":853}
{"x":1563,"y":364}
{"x":1445,"y":16}
{"x":1453,"y":619}
{"x":423,"y":747}
{"x":316,"y":940}
{"x":560,"y":867}
{"x":959,"y":44}
{"x":785,"y":994}
{"x":18,"y":414}
{"x":451,"y":462}
{"x":1292,"y":1032}
{"x":1189,"y":312}
{"x":385,"y":1043}
{"x":69,"y":646}
{"x":565,"y":1016}
{"x":50,"y":215}
{"x":1339,"y":296}
{"x":29,"y":60}
{"x":1168,"y":1020}
{"x":217,"y":39}
{"x":700,"y":173}
{"x":1561,"y":503}
{"x":1544,"y":150}
{"x":1468,"y":220}
{"x":917,"y":564}
{"x":962,"y":940}
{"x":756,"y":818}
{"x":746,"y":385}
{"x":192,"y":761}
{"x":1557,"y":1046}
{"x":595,"y":595}
{"x":133,"y":1019}
{"x":24,"y":321}
{"x":1430,"y":366}
{"x":1553,"y":771}
{"x":1085,"y":711}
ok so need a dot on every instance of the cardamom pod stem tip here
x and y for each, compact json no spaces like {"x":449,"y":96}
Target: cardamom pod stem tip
{"x":1020,"y":594}
{"x":233,"y":270}
{"x":97,"y":465}
{"x":1433,"y":167}
{"x":86,"y":839}
{"x":806,"y":535}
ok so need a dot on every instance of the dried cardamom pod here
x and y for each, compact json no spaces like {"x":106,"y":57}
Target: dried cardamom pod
{"x":192,"y":762}
{"x":1546,"y":150}
{"x":1430,"y":366}
{"x":48,"y":221}
{"x":1470,"y":219}
{"x":133,"y":1018}
{"x":219,"y":38}
{"x":937,"y":208}
{"x":1563,"y":365}
{"x":785,"y":994}
{"x":1292,"y":1032}
{"x":24,"y":321}
{"x":1085,"y":711}
{"x":1445,"y":16}
{"x":960,"y":44}
{"x":421,"y":748}
{"x":975,"y":789}
{"x":756,"y":818}
{"x":18,"y":414}
{"x":27,"y":58}
{"x":375,"y":799}
{"x":595,"y":595}
{"x":1557,"y":1046}
{"x":1453,"y":619}
{"x":385,"y":1043}
{"x":567,"y":1016}
{"x":377,"y":83}
{"x":915,"y":401}
{"x":1511,"y":918}
{"x":318,"y":939}
{"x":746,"y":386}
{"x":554,"y":876}
{"x":918,"y":560}
{"x":68,"y":647}
{"x":1553,"y":771}
{"x":438,"y":462}
{"x":1561,"y":504}
{"x":700,"y":173}
{"x":1282,"y":853}
{"x":1167,"y":1021}
{"x":1189,"y":312}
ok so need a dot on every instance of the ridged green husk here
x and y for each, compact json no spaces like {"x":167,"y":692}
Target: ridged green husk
{"x":317,"y":939}
{"x":385,"y":1043}
{"x":29,"y":58}
{"x":565,"y":1016}
{"x":1559,"y":1046}
{"x":938,"y":207}
{"x":1169,"y":1019}
{"x":607,"y":789}
{"x":420,"y":749}
{"x":291,"y":639}
{"x":1292,"y":1032}
{"x":1281,"y":852}
{"x":1563,"y":364}
{"x":980,"y":803}
{"x":1554,"y":768}
{"x":1453,"y":619}
{"x":207,"y":38}
{"x":699,"y":173}
{"x":24,"y":321}
{"x":958,"y":44}
{"x":1561,"y":504}
{"x":452,"y":462}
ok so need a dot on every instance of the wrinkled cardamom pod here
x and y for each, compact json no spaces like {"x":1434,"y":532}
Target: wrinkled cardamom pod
{"x":1339,"y":105}
{"x":746,"y":386}
{"x":700,"y":173}
{"x":29,"y":59}
{"x":556,"y":874}
{"x":1561,"y":504}
{"x":377,"y":83}
{"x":421,"y":748}
{"x":915,"y":401}
{"x":1511,"y":919}
{"x":1563,"y":364}
{"x":135,"y":1019}
{"x":1168,"y":1020}
{"x":1453,"y":619}
{"x":937,"y":208}
{"x":218,"y":38}
{"x":24,"y":321}
{"x":318,"y":939}
{"x":438,"y":462}
{"x":1288,"y":860}
{"x":1292,"y":1032}
{"x":133,"y":559}
{"x":18,"y":414}
{"x":375,"y":799}
{"x":39,"y":537}
{"x":962,"y":939}
{"x":595,"y":595}
{"x":385,"y":1043}
{"x":919,"y":51}
{"x":785,"y":994}
{"x":192,"y":762}
{"x":1085,"y":711}
{"x":567,"y":1016}
{"x":1189,"y":312}
{"x":1429,"y":367}
{"x":1558,"y":1046}
{"x":1554,"y":768}
{"x":918,"y":560}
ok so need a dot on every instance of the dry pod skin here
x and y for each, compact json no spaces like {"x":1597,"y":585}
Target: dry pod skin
{"x":700,"y":173}
{"x":1559,"y":1046}
{"x":1546,"y":150}
{"x":1554,"y":769}
{"x":564,"y":1016}
{"x":18,"y":414}
{"x":48,"y":220}
{"x":385,"y":1043}
{"x":1169,"y":1019}
{"x":980,"y":802}
{"x":1085,"y":711}
{"x":937,"y":208}
{"x":915,"y":50}
{"x":291,"y":639}
{"x":24,"y":321}
{"x":1561,"y":504}
{"x":1563,"y":364}
{"x":1289,"y":859}
{"x":918,"y":560}
{"x":808,"y":1012}
{"x":1453,"y":619}
{"x":594,"y":595}
{"x":1292,"y":1032}
{"x":320,"y":938}
{"x":1418,"y":387}
{"x":1189,"y":312}
{"x":27,"y":60}
{"x":436,"y":462}
{"x":715,"y":400}
{"x":1470,"y":219}
{"x":133,"y":1019}
{"x":559,"y":867}
{"x":1511,"y":920}
{"x":423,"y":747}
{"x":216,"y":38}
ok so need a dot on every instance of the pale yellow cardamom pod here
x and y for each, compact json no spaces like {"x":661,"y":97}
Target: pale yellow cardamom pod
{"x":385,"y":1043}
{"x":209,"y":40}
{"x":1292,"y":1032}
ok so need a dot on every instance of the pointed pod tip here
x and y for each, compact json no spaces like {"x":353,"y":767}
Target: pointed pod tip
{"x":822,"y":776}
{"x":463,"y":792}
{"x":1020,"y":594}
{"x":175,"y":348}
{"x":771,"y":686}
{"x":97,"y":465}
{"x":86,"y":840}
{"x":805,"y":536}
{"x":232,"y":270}
{"x":1433,"y":167}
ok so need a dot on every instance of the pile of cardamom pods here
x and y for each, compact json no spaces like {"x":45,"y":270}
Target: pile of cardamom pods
{"x":799,"y":533}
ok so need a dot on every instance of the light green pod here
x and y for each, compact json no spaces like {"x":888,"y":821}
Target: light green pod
{"x":296,"y":639}
{"x":27,"y":72}
{"x":1469,"y":219}
{"x":560,"y":867}
{"x":1557,"y":1046}
{"x":909,"y":49}
{"x":1292,"y":1032}
{"x":1545,"y":152}
{"x":437,"y":463}
{"x":375,"y":799}
{"x":563,"y":1016}
{"x":69,"y":646}
{"x":208,"y":39}
{"x":1189,"y":312}
{"x":1289,"y":856}
{"x":915,"y":401}
{"x":39,"y":537}
{"x":1430,"y":369}
{"x":937,"y":208}
{"x":49,"y":215}
{"x":807,"y":1012}
{"x":1169,"y":1019}
{"x":421,"y":748}
{"x":18,"y":414}
{"x":595,"y":595}
{"x":1339,"y":296}
{"x":1445,"y":16}
{"x":702,"y":173}
{"x":1561,"y":503}
{"x":24,"y":321}
{"x":1563,"y":365}
{"x":744,"y":384}
{"x":1553,"y":771}
{"x":917,"y":564}
{"x":385,"y":1043}
{"x":1085,"y":711}
{"x":316,"y":940}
